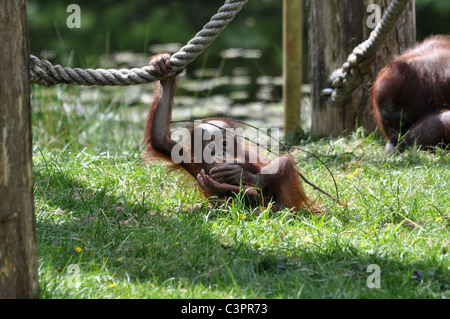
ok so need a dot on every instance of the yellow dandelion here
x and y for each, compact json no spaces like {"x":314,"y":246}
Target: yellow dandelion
{"x":353,"y":174}
{"x":176,"y":243}
{"x":78,"y":249}
{"x":120,"y":259}
{"x":112,"y":285}
{"x":439,"y":219}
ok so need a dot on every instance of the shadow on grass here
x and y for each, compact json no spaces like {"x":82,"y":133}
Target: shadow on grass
{"x":178,"y":250}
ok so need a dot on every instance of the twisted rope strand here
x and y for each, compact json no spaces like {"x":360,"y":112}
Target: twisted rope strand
{"x":344,"y":80}
{"x":44,"y":73}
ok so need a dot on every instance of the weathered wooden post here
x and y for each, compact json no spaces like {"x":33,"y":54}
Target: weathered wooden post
{"x":336,"y":27}
{"x":292,"y":62}
{"x":18,"y":256}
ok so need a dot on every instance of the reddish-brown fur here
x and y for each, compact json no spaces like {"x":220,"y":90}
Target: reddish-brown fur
{"x":223,"y":180}
{"x":411,"y":96}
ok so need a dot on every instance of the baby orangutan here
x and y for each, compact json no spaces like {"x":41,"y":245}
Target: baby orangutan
{"x":217,"y":158}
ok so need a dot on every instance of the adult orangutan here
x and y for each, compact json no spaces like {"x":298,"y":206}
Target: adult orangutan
{"x":212,"y":144}
{"x":411,"y":97}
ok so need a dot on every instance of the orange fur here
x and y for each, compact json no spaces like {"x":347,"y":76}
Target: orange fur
{"x":412,"y":87}
{"x":283,"y":186}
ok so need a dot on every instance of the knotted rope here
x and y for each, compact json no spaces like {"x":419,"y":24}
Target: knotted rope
{"x":44,"y":73}
{"x":344,"y":80}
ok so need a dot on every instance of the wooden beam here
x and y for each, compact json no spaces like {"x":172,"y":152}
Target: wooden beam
{"x":292,"y":62}
{"x":18,"y":252}
{"x":336,"y":27}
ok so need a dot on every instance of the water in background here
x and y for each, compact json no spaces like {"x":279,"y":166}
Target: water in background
{"x":237,"y":88}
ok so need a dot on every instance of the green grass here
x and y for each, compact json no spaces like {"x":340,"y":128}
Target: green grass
{"x":109,"y":226}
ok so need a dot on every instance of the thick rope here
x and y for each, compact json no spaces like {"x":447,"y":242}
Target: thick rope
{"x":343,"y":81}
{"x":42,"y":72}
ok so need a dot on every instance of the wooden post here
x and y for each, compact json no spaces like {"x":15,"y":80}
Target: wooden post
{"x":292,"y":62}
{"x":335,"y":28}
{"x":18,"y":256}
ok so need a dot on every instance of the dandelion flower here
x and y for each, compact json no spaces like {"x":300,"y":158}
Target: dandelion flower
{"x":112,"y":285}
{"x":353,"y":174}
{"x":78,"y":249}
